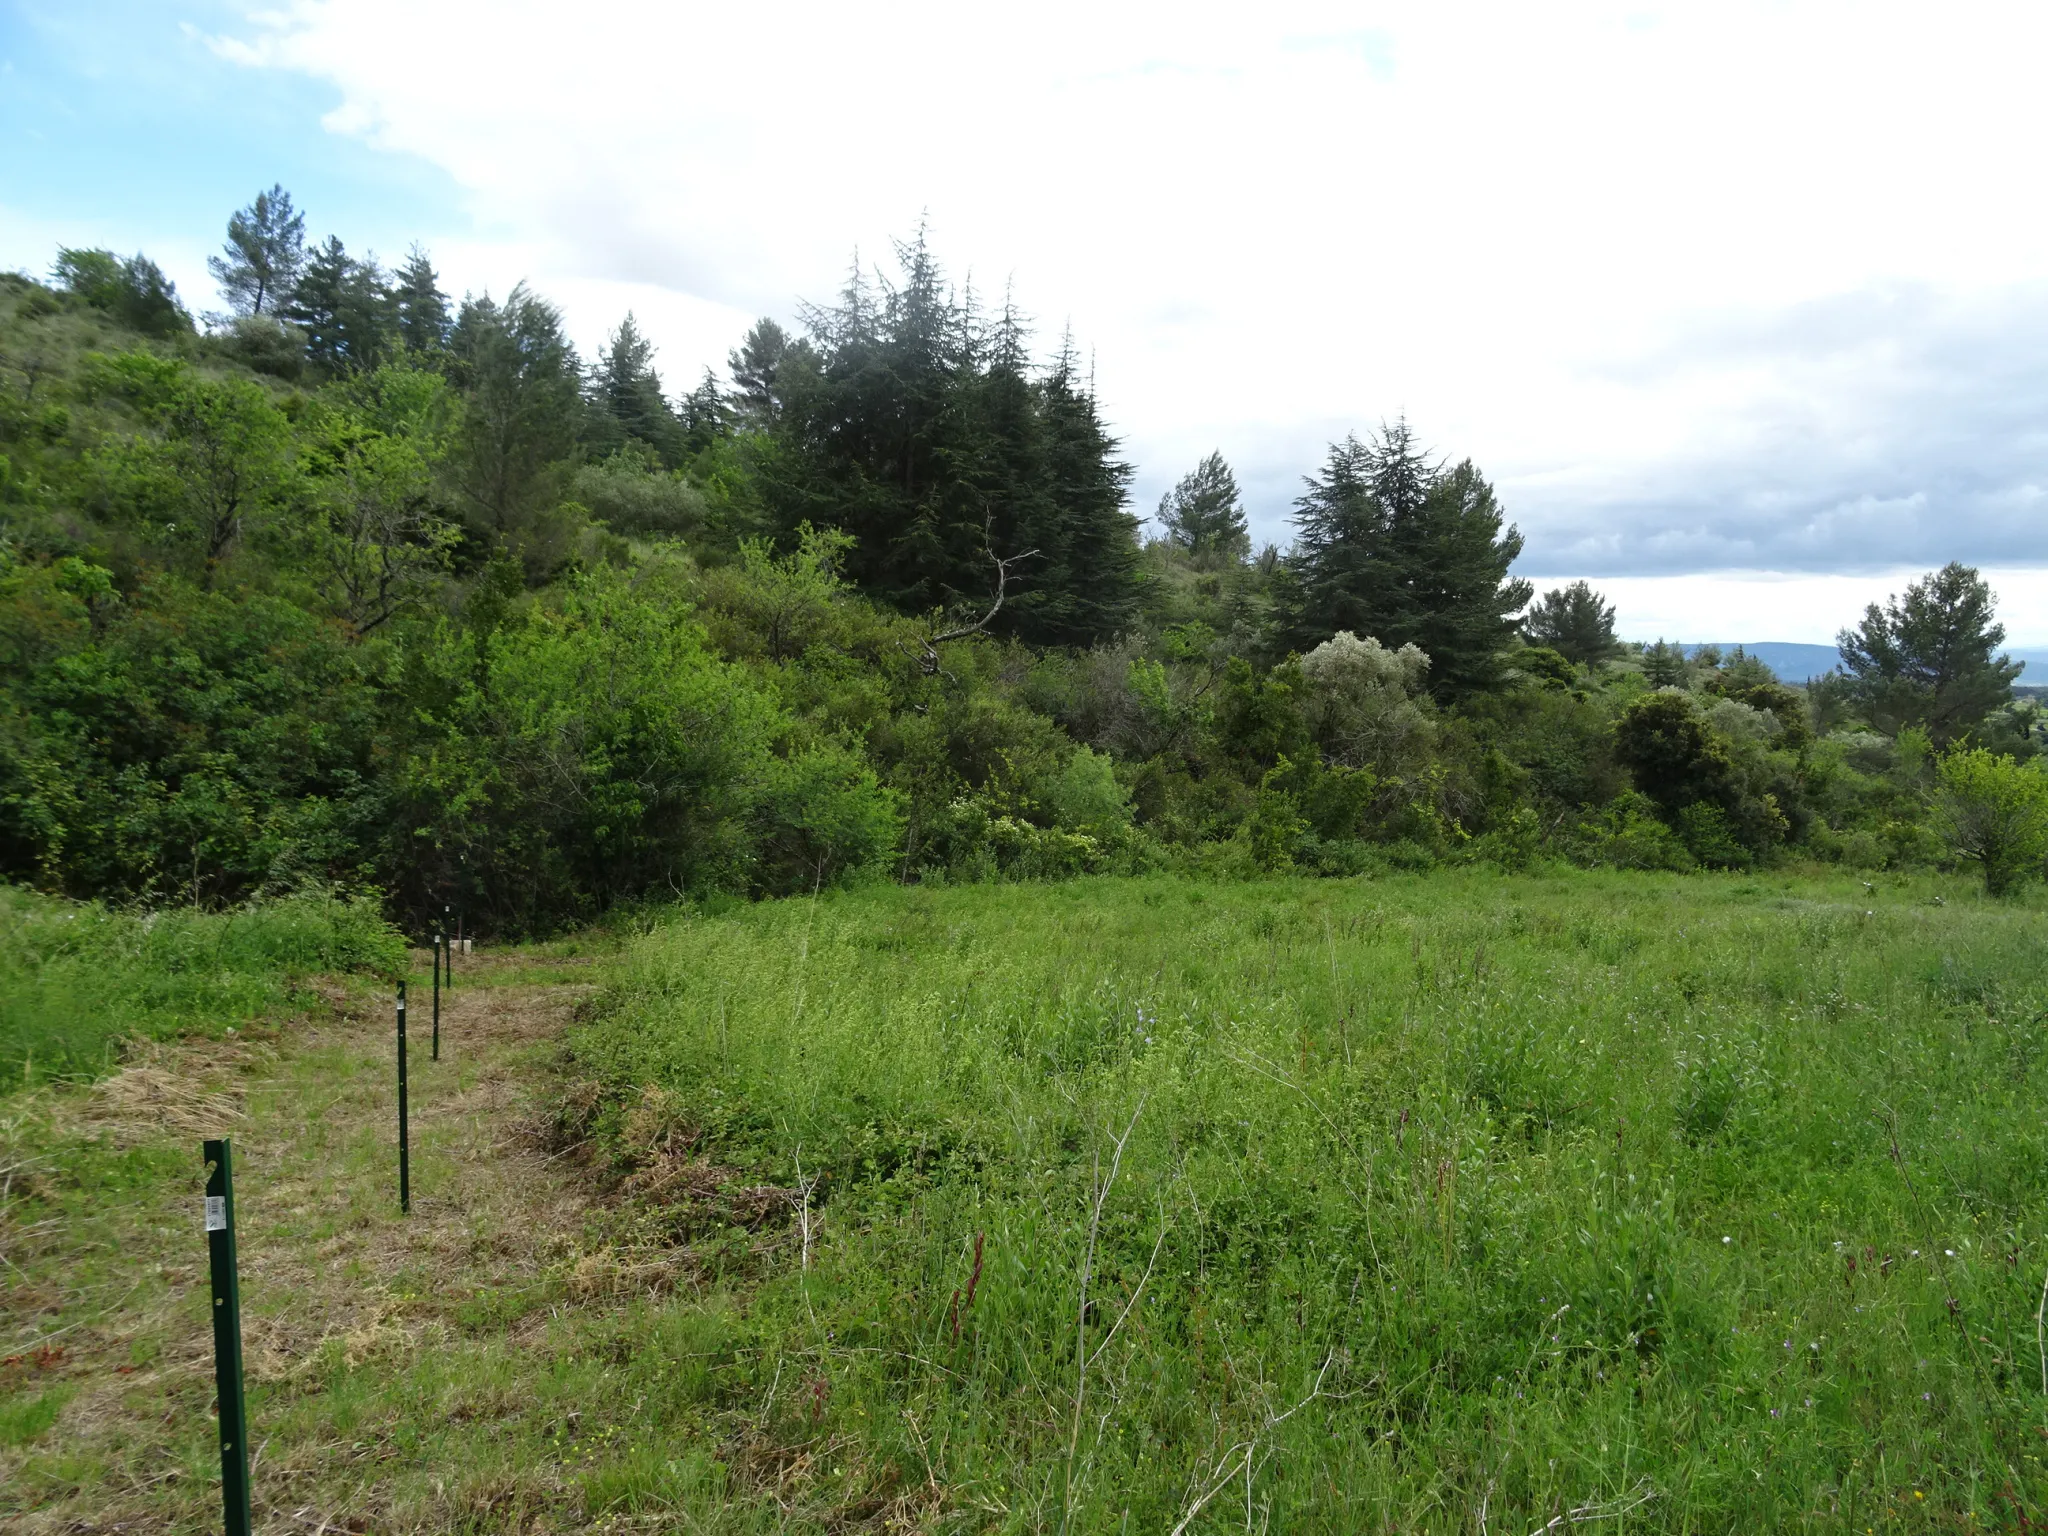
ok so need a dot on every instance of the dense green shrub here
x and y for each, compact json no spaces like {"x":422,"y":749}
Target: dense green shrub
{"x":590,"y":748}
{"x":1993,"y":811}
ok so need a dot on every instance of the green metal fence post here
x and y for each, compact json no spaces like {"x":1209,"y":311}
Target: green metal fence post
{"x":227,"y":1336}
{"x":437,"y":997}
{"x":404,"y":1152}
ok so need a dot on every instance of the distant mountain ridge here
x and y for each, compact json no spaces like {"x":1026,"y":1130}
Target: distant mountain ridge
{"x":1795,"y":663}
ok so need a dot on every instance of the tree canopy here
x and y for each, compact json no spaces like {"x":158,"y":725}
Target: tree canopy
{"x":1397,"y":547}
{"x":1204,"y":513}
{"x":361,"y":586}
{"x":1928,"y":658}
{"x":265,"y":248}
{"x":1575,"y":621}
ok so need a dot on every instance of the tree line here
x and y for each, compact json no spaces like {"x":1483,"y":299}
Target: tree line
{"x":360,"y":583}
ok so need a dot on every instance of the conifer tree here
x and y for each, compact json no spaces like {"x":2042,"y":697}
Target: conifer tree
{"x":1093,"y":537}
{"x":918,"y":427}
{"x":259,"y":265}
{"x":1203,"y":515}
{"x":1930,"y":658}
{"x":344,"y":306}
{"x":1406,"y":551}
{"x":1664,"y":665}
{"x":626,"y":390}
{"x":1575,"y":621}
{"x":754,"y":364}
{"x":521,"y":418}
{"x":704,"y":415}
{"x":420,"y":307}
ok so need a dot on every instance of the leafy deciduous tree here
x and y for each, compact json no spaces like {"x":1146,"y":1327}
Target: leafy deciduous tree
{"x":132,"y":289}
{"x":1994,"y":812}
{"x":220,"y":457}
{"x":371,"y":466}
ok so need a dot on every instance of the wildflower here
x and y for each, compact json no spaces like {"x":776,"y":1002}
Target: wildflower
{"x":1726,"y":1240}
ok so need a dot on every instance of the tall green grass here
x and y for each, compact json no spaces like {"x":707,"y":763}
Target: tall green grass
{"x":1453,"y":1202}
{"x":76,"y":980}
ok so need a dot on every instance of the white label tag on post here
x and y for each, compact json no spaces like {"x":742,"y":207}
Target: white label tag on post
{"x":216,"y":1213}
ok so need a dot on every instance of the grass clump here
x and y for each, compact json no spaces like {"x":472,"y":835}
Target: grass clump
{"x":1705,"y":1203}
{"x":81,"y":978}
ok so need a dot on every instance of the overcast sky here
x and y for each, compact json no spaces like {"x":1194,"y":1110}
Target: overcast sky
{"x":1743,"y":306}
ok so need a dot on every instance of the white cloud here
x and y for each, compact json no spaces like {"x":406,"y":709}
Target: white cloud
{"x":1699,"y":285}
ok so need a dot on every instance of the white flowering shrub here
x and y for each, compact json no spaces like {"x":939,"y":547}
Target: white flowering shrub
{"x":1345,"y":664}
{"x":1366,"y":708}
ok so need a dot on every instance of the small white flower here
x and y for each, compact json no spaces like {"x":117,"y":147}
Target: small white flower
{"x":1727,"y":1240}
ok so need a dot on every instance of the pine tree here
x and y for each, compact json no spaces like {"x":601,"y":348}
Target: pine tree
{"x":259,"y":265}
{"x":419,"y":305}
{"x":521,"y":419}
{"x":626,"y":389}
{"x":1664,"y":665}
{"x":911,"y":422}
{"x":705,"y":416}
{"x":753,"y":365}
{"x":1406,"y":551}
{"x":1574,"y":621}
{"x":345,"y":307}
{"x":1203,"y":514}
{"x":1927,"y":659}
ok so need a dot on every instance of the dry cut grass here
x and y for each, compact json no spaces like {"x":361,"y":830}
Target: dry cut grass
{"x":108,"y":1380}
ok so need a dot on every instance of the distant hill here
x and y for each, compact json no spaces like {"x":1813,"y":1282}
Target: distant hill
{"x":1797,"y":663}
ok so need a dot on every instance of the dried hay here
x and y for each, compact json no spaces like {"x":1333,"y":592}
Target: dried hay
{"x":161,"y":1097}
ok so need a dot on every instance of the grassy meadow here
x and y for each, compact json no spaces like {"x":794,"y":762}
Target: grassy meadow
{"x":80,"y":980}
{"x":1453,"y":1203}
{"x":1447,"y":1203}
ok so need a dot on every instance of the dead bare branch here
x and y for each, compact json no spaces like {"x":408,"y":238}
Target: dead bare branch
{"x":1239,"y":1458}
{"x":1586,"y":1514}
{"x":928,"y":663}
